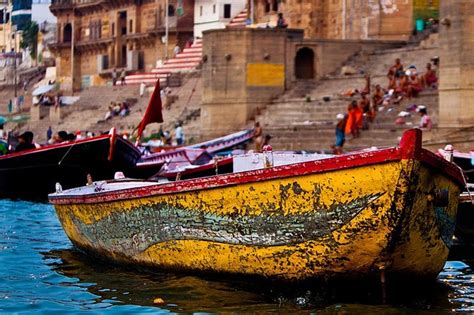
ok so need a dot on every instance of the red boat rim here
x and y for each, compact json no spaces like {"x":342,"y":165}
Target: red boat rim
{"x":409,"y":148}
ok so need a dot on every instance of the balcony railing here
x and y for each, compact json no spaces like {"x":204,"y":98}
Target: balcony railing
{"x":71,"y":2}
{"x":62,"y":2}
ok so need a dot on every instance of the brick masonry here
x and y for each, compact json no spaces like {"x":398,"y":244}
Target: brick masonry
{"x":457,"y":64}
{"x":245,"y":69}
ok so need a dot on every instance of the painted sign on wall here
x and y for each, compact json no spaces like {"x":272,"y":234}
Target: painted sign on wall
{"x":425,"y":9}
{"x":263,"y":74}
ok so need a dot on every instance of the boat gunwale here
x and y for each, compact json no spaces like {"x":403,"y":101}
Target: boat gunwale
{"x":410,"y":148}
{"x":204,"y":167}
{"x":211,"y":145}
{"x":129,"y":144}
{"x":160,"y":157}
{"x":53,"y":146}
{"x":65,"y":145}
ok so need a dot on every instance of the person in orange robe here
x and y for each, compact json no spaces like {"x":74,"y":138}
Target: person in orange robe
{"x":354,"y":115}
{"x":359,"y":117}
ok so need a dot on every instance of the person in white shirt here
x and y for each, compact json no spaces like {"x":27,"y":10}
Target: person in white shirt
{"x":142,"y":89}
{"x":179,"y":134}
{"x":176,"y":50}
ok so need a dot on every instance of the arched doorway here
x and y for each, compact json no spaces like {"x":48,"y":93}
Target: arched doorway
{"x":304,"y":63}
{"x":67,"y":33}
{"x":171,"y":10}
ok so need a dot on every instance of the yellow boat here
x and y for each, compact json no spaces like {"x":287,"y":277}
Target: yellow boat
{"x":390,"y":210}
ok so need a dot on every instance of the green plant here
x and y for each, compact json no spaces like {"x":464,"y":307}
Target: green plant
{"x":30,"y":38}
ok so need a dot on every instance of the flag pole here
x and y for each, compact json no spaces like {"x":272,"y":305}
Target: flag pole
{"x":252,"y":11}
{"x":166,"y":28}
{"x":5,"y":27}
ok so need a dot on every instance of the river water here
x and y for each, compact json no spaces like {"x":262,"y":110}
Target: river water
{"x":40,"y":272}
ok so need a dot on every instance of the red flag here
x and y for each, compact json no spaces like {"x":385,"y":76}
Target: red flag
{"x":153,"y":111}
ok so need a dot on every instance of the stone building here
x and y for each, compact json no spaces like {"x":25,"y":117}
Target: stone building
{"x":96,"y":36}
{"x":456,"y":90}
{"x":6,"y":42}
{"x":245,"y":68}
{"x":348,"y":19}
{"x":215,"y":14}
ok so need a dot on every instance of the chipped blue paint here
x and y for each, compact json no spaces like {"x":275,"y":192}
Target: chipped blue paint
{"x":134,"y":231}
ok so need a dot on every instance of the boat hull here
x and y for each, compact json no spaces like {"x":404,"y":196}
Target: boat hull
{"x":464,"y":222}
{"x":33,"y":175}
{"x":397,"y":216}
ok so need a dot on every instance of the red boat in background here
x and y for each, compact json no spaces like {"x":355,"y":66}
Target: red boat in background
{"x":185,"y":169}
{"x":33,"y":174}
{"x":152,"y":164}
{"x":465,"y":217}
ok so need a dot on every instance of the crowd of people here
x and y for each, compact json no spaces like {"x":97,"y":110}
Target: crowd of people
{"x":402,"y":84}
{"x":120,"y":109}
{"x":407,"y":83}
{"x":165,"y":138}
{"x":115,"y":76}
{"x":14,"y":142}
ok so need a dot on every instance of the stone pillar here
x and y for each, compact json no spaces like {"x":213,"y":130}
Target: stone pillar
{"x":38,"y":112}
{"x":456,"y":91}
{"x":35,"y":113}
{"x":243,"y":69}
{"x":54,"y":113}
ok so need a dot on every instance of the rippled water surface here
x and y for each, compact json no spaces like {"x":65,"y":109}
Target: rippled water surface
{"x":41,"y":273}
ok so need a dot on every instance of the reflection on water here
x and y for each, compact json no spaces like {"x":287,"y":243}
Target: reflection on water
{"x":460,"y":277}
{"x":41,"y":273}
{"x":186,"y":293}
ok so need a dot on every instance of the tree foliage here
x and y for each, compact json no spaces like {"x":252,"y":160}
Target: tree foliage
{"x":30,"y":38}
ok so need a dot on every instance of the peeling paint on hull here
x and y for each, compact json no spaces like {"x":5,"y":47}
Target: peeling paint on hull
{"x":353,"y":222}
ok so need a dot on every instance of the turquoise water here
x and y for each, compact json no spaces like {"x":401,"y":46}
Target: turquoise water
{"x":40,"y":272}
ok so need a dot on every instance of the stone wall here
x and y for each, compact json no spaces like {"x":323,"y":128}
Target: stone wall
{"x":98,"y":32}
{"x":344,"y":19}
{"x":244,"y":69}
{"x":330,"y":55}
{"x":457,"y":64}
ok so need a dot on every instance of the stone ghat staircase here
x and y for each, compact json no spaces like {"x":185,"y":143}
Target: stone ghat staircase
{"x":301,"y":119}
{"x":82,"y":115}
{"x":185,"y":108}
{"x":186,"y":61}
{"x":312,"y":126}
{"x":85,"y":114}
{"x":239,"y":21}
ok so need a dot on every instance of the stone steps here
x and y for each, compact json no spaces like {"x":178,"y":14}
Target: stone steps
{"x":85,"y":114}
{"x":188,"y":60}
{"x":239,"y":20}
{"x":319,"y":139}
{"x":302,"y":119}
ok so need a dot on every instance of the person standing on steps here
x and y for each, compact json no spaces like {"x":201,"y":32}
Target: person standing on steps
{"x":281,"y":22}
{"x":114,"y":77}
{"x":142,"y":89}
{"x":176,"y":50}
{"x":179,"y":134}
{"x":123,"y":74}
{"x":340,"y":133}
{"x":49,"y":133}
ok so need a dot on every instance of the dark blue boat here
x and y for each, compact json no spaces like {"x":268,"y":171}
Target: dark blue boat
{"x":33,"y":174}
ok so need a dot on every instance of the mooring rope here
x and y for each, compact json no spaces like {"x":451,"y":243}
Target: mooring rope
{"x":67,"y":152}
{"x":467,"y":187}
